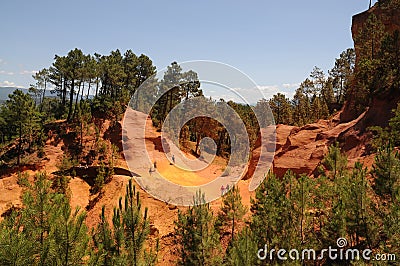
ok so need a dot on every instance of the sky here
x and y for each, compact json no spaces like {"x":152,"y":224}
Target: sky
{"x":275,"y":43}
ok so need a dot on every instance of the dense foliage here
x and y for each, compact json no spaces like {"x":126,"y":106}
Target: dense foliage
{"x":301,"y":212}
{"x":46,"y":231}
{"x":318,"y":96}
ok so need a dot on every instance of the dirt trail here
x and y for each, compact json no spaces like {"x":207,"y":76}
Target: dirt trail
{"x":143,"y":146}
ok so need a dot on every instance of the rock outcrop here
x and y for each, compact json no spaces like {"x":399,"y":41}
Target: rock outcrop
{"x":301,"y":149}
{"x":381,"y":105}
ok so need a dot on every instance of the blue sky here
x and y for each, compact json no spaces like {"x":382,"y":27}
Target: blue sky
{"x":276,"y":43}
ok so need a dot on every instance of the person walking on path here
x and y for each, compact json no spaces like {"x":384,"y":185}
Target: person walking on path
{"x":173,"y":159}
{"x":222,"y":190}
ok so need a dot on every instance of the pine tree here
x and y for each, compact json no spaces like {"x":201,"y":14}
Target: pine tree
{"x":144,"y":70}
{"x":195,"y":235}
{"x":301,"y":195}
{"x":368,"y":81}
{"x":335,"y":178}
{"x":136,"y":225}
{"x":174,"y":87}
{"x":42,"y":79}
{"x":386,"y":171}
{"x":342,"y":73}
{"x":335,"y":162}
{"x":16,"y":246}
{"x":371,"y":36}
{"x":360,"y":216}
{"x":125,"y":242}
{"x":84,"y":116}
{"x":344,"y":199}
{"x":320,"y":109}
{"x":392,"y":226}
{"x":272,"y":220}
{"x":243,"y":249}
{"x":21,"y":114}
{"x":281,"y":109}
{"x":327,"y":98}
{"x":336,"y":226}
{"x":103,"y":243}
{"x":74,"y":67}
{"x":44,"y":232}
{"x":302,"y":107}
{"x":388,"y":74}
{"x":232,"y":210}
{"x":394,"y":123}
{"x":322,"y":203}
{"x":318,"y":81}
{"x":39,"y":216}
{"x":70,"y":235}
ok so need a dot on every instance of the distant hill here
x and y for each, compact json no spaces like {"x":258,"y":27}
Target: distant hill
{"x":5,"y":91}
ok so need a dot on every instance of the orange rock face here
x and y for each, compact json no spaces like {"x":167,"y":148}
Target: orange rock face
{"x":301,"y":149}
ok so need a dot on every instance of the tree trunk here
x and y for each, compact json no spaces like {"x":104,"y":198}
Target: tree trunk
{"x":83,"y":90}
{"x":97,"y":86}
{"x":71,"y":100}
{"x":88,"y":91}
{"x":44,"y":94}
{"x":76,"y":99}
{"x":19,"y":144}
{"x":64,"y":92}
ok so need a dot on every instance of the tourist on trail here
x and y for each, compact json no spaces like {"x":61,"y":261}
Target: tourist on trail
{"x":222,"y":190}
{"x":150,"y":170}
{"x":173,"y":159}
{"x":155,"y":165}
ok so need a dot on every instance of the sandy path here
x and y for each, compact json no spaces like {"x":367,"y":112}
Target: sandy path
{"x":142,"y":147}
